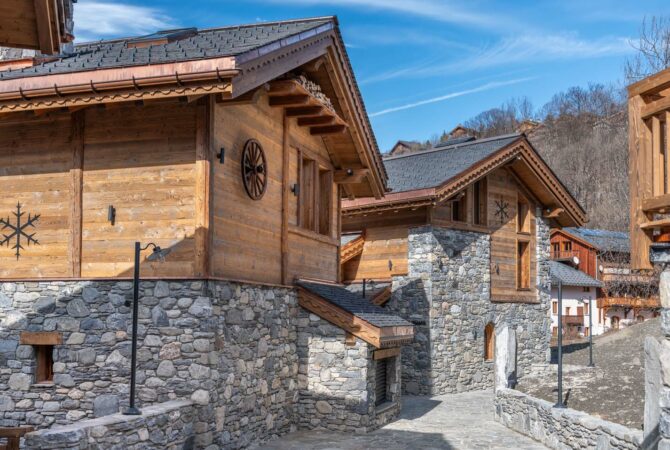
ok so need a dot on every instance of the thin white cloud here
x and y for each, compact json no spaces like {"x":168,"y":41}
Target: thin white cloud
{"x":438,"y":10}
{"x":518,"y":49}
{"x":441,"y":98}
{"x":98,"y":19}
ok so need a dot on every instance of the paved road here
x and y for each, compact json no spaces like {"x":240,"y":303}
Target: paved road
{"x":453,"y":422}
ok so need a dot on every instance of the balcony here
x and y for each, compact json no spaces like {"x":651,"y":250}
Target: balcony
{"x":564,"y":255}
{"x":573,"y":320}
{"x":629,"y":302}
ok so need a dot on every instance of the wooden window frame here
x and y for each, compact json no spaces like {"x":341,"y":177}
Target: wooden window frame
{"x":523,"y":263}
{"x":44,"y":362}
{"x":489,"y":341}
{"x":459,"y":208}
{"x":586,"y":308}
{"x":315,"y":198}
{"x":554,"y":307}
{"x":523,"y":215}
{"x":567,"y":246}
{"x":480,"y":202}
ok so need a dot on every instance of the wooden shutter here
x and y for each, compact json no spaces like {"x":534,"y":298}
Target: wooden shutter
{"x":381,"y":381}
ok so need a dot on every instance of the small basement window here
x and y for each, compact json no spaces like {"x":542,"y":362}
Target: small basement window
{"x":44,"y":364}
{"x":381,"y":381}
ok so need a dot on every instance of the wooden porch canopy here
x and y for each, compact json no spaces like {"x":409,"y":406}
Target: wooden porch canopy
{"x":35,"y":24}
{"x":524,"y":163}
{"x":649,"y":146}
{"x":354,"y":314}
{"x":115,"y":71}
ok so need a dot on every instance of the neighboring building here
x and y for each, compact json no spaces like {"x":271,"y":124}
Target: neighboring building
{"x":463,"y":242}
{"x":404,"y":147}
{"x":42,"y":26}
{"x":232,"y":147}
{"x":625,"y":296}
{"x":578,"y":299}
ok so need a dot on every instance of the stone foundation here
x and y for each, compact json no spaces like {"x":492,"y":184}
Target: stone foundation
{"x":337,"y":381}
{"x":561,"y":428}
{"x":446,"y":294}
{"x":231,"y":348}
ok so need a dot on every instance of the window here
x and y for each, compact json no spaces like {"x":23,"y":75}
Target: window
{"x":580,"y":310}
{"x":586,"y":289}
{"x":554,"y":331}
{"x":479,"y":202}
{"x":567,"y":246}
{"x":586,"y":331}
{"x":315,"y":197}
{"x":523,"y":215}
{"x":556,"y":247}
{"x":554,"y":307}
{"x":523,"y":265}
{"x":381,"y":381}
{"x":44,"y":372}
{"x":586,"y":309}
{"x":567,"y":310}
{"x":459,"y":208}
{"x":489,"y":341}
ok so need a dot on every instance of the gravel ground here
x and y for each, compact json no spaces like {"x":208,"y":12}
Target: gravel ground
{"x":614,"y":390}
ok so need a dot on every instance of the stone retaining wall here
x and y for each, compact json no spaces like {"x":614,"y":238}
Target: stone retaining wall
{"x":446,"y":294}
{"x":337,"y":381}
{"x":561,"y":428}
{"x":166,"y":426}
{"x":228,"y":346}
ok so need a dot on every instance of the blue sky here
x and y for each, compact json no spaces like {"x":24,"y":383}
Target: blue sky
{"x":426,"y":65}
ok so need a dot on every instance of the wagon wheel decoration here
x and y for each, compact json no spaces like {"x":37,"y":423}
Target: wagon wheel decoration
{"x":254,"y":169}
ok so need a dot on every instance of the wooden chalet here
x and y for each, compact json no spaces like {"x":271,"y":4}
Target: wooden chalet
{"x":491,"y":186}
{"x":42,"y":25}
{"x":230,"y":146}
{"x":648,"y":118}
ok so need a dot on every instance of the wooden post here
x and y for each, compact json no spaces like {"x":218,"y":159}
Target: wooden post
{"x":641,"y":183}
{"x":76,"y":190}
{"x":202,"y":188}
{"x":286,"y":150}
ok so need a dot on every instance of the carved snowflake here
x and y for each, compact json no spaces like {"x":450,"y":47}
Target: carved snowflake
{"x":502,"y":210}
{"x":18,"y":230}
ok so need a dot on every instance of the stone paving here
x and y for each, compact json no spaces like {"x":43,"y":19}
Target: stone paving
{"x":456,"y":421}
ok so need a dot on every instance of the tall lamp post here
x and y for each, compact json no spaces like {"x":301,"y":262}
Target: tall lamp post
{"x":559,"y":403}
{"x":587,"y":301}
{"x":157,"y":254}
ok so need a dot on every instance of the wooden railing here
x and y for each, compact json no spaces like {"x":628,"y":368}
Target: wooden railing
{"x":564,"y":254}
{"x":649,"y":148}
{"x":629,"y":302}
{"x":573,"y":320}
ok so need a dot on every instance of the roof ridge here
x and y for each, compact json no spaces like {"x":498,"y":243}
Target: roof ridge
{"x":227,"y":27}
{"x":453,"y":146}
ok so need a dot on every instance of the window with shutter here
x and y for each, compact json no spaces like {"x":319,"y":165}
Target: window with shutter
{"x":381,"y":381}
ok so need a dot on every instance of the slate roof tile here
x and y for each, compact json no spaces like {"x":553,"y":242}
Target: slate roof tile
{"x":219,"y":42}
{"x":433,"y":167}
{"x":354,"y":304}
{"x":604,"y":240}
{"x":570,"y":276}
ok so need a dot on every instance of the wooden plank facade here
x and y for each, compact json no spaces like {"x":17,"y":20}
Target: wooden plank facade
{"x":164,"y":164}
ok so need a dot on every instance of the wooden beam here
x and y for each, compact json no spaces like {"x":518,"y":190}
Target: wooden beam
{"x":349,"y":339}
{"x":553,"y":213}
{"x":658,"y":173}
{"x":76,"y":189}
{"x":655,"y":107}
{"x":290,"y":100}
{"x":41,"y":338}
{"x":315,"y":65}
{"x":328,"y":129}
{"x":350,"y":176}
{"x":386,"y":353}
{"x":304,"y":111}
{"x":286,"y":149}
{"x":383,"y":296}
{"x":202,"y":189}
{"x":654,"y":224}
{"x":45,"y":26}
{"x":316,"y":120}
{"x":248,"y":98}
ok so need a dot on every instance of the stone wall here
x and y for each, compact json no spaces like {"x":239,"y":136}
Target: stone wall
{"x":561,"y":428}
{"x":166,"y":426}
{"x":446,"y":294}
{"x":337,"y":381}
{"x":228,"y":346}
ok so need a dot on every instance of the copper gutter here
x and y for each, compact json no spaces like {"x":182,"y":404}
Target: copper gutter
{"x":96,"y":81}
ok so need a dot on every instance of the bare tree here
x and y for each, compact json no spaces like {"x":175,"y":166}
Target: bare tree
{"x":504,"y":119}
{"x":653,"y":49}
